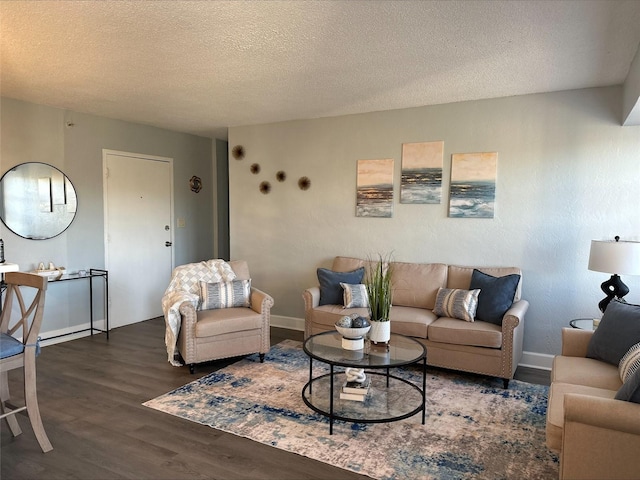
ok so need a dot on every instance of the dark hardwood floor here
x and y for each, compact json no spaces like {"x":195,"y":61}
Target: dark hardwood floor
{"x":90,"y":394}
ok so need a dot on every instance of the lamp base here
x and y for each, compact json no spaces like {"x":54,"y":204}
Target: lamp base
{"x":612,"y":288}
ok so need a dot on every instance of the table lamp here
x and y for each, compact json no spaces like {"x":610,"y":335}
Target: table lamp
{"x":617,"y":258}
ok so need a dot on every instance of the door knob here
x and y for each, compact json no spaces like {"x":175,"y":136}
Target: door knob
{"x":167,"y":244}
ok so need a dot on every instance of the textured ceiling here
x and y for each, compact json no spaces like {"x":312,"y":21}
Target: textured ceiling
{"x":202,"y":66}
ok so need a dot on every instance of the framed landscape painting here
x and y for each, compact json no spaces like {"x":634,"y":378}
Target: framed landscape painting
{"x":473,"y":185}
{"x":421,"y":180}
{"x":374,"y":188}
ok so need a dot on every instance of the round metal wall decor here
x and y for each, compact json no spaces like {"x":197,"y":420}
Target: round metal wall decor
{"x":281,"y":176}
{"x":304,"y":183}
{"x":265,"y":187}
{"x":196,"y":184}
{"x":255,"y":168}
{"x":238,"y":152}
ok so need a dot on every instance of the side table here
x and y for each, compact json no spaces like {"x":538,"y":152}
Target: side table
{"x":583,"y":323}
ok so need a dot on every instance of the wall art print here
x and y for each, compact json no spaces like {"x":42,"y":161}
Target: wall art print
{"x":421,"y":179}
{"x":473,"y":185}
{"x":374,"y":188}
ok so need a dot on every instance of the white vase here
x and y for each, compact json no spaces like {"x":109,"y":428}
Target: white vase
{"x":380,"y":332}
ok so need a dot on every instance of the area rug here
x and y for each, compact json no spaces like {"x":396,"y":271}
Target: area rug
{"x":474,"y":428}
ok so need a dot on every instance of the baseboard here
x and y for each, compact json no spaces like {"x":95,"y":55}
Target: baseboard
{"x":292,"y":323}
{"x":541,"y":361}
{"x":51,"y":337}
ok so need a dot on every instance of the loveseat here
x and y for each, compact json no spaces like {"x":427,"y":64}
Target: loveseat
{"x":491,"y":348}
{"x":597,"y":436}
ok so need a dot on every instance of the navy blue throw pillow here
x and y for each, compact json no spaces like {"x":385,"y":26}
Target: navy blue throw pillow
{"x":331,"y":292}
{"x":496,"y":295}
{"x":619,"y":329}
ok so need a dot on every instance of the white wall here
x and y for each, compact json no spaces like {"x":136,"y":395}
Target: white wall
{"x":37,"y":133}
{"x":567,"y":173}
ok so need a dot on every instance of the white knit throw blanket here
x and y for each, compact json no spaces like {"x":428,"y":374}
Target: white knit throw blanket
{"x":185,"y":287}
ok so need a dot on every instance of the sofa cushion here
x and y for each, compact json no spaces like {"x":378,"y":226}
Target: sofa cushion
{"x":555,"y":408}
{"x":355,"y":296}
{"x":496,"y":295}
{"x":236,"y":293}
{"x":630,"y":390}
{"x":220,"y":321}
{"x":585,"y":371}
{"x":411,"y":321}
{"x":457,"y":303}
{"x":630,"y":362}
{"x":328,"y":315}
{"x":619,"y":329}
{"x":330,"y":289}
{"x":477,"y":334}
{"x":417,"y":284}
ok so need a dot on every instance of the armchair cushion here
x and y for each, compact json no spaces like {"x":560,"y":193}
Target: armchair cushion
{"x":619,"y":329}
{"x":10,"y":346}
{"x":225,"y":294}
{"x":496,"y":295}
{"x":330,"y":289}
{"x":630,"y":362}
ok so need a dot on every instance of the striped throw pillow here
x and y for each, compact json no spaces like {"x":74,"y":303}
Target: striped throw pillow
{"x":236,"y":293}
{"x":457,"y":303}
{"x":629,"y":363}
{"x":355,"y":296}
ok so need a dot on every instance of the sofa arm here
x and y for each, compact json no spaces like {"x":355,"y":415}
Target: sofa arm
{"x":260,"y":301}
{"x":311,"y":298}
{"x":601,"y":438}
{"x":575,"y":342}
{"x":189,"y":318}
{"x":515,"y":315}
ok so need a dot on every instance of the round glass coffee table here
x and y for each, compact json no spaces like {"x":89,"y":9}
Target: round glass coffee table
{"x":390,"y":398}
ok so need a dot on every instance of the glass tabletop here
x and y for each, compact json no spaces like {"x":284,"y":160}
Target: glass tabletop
{"x":401,"y":350}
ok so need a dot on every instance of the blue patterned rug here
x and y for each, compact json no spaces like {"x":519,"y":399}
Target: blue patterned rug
{"x":474,"y":428}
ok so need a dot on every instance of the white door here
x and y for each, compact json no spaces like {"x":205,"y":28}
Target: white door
{"x":138,"y":235}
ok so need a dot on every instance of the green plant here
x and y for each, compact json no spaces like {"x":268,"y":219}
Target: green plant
{"x":378,"y":282}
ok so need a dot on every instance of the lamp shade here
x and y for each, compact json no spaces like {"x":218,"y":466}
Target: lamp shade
{"x":620,"y":258}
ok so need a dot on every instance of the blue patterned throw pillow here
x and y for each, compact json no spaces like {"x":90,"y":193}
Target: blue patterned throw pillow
{"x":457,"y":303}
{"x":355,"y":296}
{"x":225,"y":294}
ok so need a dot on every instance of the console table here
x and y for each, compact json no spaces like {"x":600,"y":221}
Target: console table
{"x":93,"y":273}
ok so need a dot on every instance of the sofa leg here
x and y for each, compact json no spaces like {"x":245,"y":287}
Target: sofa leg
{"x":192,"y":368}
{"x":262,"y":358}
{"x":505,"y":381}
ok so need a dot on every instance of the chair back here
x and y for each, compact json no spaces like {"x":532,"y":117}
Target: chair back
{"x":28,"y":323}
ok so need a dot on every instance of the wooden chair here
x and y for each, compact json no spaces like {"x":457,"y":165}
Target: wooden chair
{"x":19,"y":347}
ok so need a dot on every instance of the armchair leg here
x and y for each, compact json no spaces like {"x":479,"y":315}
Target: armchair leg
{"x":192,"y":368}
{"x":505,"y":381}
{"x":262,"y":358}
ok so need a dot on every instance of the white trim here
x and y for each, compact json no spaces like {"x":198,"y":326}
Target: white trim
{"x":67,"y":333}
{"x":292,"y":323}
{"x":541,"y":361}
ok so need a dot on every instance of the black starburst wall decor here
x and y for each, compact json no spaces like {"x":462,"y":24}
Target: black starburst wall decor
{"x":304,"y":183}
{"x":265,"y":187}
{"x":281,"y":176}
{"x":238,"y":152}
{"x":255,"y":168}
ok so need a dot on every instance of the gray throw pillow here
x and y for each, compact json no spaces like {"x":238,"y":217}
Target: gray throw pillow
{"x":630,"y":390}
{"x":496,"y":295}
{"x":619,"y":329}
{"x":330,"y":288}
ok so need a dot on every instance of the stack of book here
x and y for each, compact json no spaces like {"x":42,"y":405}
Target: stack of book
{"x":355,"y":390}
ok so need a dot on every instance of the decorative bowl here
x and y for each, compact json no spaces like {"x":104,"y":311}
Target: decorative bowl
{"x":353,"y":333}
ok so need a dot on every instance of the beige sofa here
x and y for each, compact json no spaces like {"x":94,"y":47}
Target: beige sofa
{"x":477,"y":347}
{"x":598,"y":437}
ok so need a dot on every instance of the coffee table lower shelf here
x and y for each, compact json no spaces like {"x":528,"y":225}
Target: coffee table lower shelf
{"x":390,"y":399}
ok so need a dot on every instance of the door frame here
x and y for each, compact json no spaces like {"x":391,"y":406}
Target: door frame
{"x":140,"y":156}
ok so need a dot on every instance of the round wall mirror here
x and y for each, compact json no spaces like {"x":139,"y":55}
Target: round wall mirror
{"x":37,"y":201}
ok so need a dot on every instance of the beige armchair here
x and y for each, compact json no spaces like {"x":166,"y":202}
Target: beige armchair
{"x":207,"y":335}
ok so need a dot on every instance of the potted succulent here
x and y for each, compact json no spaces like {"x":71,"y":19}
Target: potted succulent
{"x":378,"y":284}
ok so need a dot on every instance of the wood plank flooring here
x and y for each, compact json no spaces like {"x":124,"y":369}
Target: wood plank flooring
{"x":90,"y":394}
